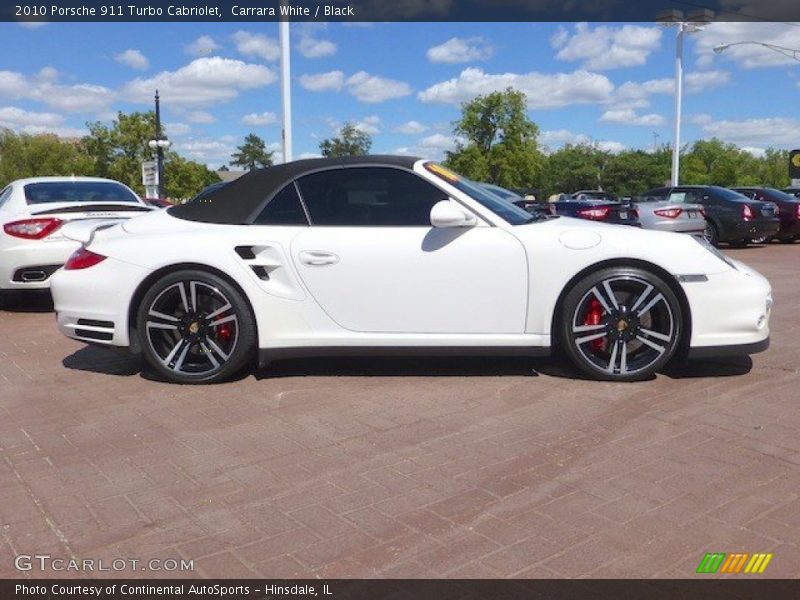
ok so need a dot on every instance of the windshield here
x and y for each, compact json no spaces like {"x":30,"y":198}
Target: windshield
{"x":504,"y":209}
{"x":47,"y":192}
{"x":499,"y":191}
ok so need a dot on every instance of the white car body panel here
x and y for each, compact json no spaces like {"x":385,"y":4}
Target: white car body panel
{"x":491,"y":285}
{"x":54,"y":249}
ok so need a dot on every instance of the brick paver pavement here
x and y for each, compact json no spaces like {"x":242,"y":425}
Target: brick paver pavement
{"x":401,"y":468}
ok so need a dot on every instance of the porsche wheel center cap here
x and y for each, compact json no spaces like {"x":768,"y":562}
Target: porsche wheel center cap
{"x":622,"y":325}
{"x":194,"y":327}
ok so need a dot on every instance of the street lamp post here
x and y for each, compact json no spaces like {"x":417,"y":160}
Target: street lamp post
{"x":286,"y":89}
{"x":159,"y":144}
{"x":693,"y":22}
{"x":790,"y":52}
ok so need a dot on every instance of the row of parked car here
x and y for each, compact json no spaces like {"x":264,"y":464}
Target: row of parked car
{"x":736,"y":216}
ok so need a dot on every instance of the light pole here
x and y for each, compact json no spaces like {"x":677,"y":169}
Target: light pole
{"x":159,"y":144}
{"x":690,"y":24}
{"x":790,"y":52}
{"x":286,"y":90}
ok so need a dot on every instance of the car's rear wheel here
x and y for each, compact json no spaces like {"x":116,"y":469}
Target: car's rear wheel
{"x":711,"y":234}
{"x":620,"y":324}
{"x":195,"y":327}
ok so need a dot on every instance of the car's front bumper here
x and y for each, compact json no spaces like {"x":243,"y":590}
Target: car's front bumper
{"x":730,"y":312}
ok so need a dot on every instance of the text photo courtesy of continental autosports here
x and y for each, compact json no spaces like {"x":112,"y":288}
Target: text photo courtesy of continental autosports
{"x":352,"y":291}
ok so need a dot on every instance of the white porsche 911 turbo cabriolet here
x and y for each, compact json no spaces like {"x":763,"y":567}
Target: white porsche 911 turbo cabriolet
{"x":397,"y":255}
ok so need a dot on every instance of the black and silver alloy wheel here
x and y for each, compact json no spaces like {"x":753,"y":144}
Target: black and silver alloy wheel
{"x":621,"y":324}
{"x":195,"y":327}
{"x":710,"y":234}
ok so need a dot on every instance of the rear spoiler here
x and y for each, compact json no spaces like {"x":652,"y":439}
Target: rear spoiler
{"x":83,"y":230}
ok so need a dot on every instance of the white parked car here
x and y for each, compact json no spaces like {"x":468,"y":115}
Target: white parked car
{"x":33,"y":212}
{"x":381,"y":254}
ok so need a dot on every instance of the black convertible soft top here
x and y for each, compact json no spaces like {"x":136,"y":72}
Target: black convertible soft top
{"x":235,"y":203}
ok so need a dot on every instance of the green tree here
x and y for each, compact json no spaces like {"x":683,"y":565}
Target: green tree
{"x":184,"y":178}
{"x":24,"y":155}
{"x":351,"y":141}
{"x":252,"y":154}
{"x":575,"y":167}
{"x":496,"y":141}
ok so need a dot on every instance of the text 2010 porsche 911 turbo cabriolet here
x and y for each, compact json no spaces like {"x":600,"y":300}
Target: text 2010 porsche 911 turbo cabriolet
{"x":390,"y":255}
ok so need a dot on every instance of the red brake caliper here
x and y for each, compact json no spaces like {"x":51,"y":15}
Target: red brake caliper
{"x":223,"y":333}
{"x":594,"y":316}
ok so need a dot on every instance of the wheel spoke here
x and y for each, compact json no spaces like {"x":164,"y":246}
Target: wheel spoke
{"x":209,"y":354}
{"x":217,"y":349}
{"x":584,"y":328}
{"x":193,"y":294}
{"x":655,"y":300}
{"x":653,"y":345}
{"x":218,"y":322}
{"x":611,"y":296}
{"x":613,"y":360}
{"x":159,"y":325}
{"x":642,"y":297}
{"x":182,"y":289}
{"x":602,"y":300}
{"x":162,"y":316}
{"x":623,"y":362}
{"x":589,"y":338}
{"x":182,"y":357}
{"x":655,"y":334}
{"x":173,"y":352}
{"x":220,"y":310}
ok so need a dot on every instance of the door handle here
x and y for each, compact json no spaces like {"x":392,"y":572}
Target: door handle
{"x":317,"y":258}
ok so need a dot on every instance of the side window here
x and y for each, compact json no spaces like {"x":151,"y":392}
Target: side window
{"x":5,"y":195}
{"x":283,"y":209}
{"x":679,"y":196}
{"x":369,"y":196}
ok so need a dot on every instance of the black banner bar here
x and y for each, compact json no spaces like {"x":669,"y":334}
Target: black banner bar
{"x":394,"y":589}
{"x":397,"y":10}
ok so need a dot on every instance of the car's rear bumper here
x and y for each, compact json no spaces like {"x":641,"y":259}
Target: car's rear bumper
{"x":751,"y":230}
{"x":20,"y":264}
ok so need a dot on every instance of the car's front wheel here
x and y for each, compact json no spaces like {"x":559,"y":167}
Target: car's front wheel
{"x":195,"y":327}
{"x":620,"y":324}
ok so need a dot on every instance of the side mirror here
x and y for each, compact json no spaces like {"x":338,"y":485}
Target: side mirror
{"x":447,"y":214}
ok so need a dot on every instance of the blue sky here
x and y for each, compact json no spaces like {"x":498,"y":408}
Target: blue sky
{"x":401,"y":82}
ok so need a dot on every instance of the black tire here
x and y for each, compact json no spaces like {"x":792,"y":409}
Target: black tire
{"x":627,"y":335}
{"x":738,"y":243}
{"x":711,"y":234}
{"x":195,"y":327}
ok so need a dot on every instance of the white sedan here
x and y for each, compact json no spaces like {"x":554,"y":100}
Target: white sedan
{"x":397,"y":255}
{"x":33,"y":212}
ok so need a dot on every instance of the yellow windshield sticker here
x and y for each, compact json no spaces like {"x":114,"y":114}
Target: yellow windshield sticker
{"x":441,"y":171}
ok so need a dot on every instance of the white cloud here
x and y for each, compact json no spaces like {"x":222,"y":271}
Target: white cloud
{"x":211,"y":152}
{"x":373,"y":89}
{"x":365,"y":87}
{"x":133,"y":58}
{"x":177,"y":129}
{"x":410,"y":128}
{"x":769,"y":131}
{"x":607,"y":47}
{"x":43,"y":87}
{"x":258,"y":119}
{"x":200,"y":116}
{"x":257,"y":45}
{"x":636,"y":94}
{"x":202,"y":82}
{"x":628,"y":116}
{"x":749,"y":56}
{"x":551,"y":140}
{"x":543,"y":90}
{"x":202,"y":46}
{"x":757,"y":152}
{"x":32,"y":24}
{"x":311,"y":47}
{"x":461,"y":50}
{"x":438,"y":142}
{"x":370,"y":125}
{"x":323,"y":82}
{"x":25,"y":121}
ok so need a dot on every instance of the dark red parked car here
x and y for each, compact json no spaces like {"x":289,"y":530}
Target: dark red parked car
{"x":788,"y":206}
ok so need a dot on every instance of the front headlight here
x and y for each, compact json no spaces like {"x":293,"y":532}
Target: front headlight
{"x":705,"y":244}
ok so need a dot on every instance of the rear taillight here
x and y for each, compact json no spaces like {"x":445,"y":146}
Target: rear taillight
{"x":595,"y":214}
{"x":747,"y":213}
{"x":703,"y":212}
{"x":32,"y":229}
{"x":797,"y":211}
{"x":670,"y":213}
{"x":83,"y":259}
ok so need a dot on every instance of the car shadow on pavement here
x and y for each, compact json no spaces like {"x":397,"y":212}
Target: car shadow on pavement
{"x":107,"y":361}
{"x":26,"y":302}
{"x":372,"y":366}
{"x":731,"y":366}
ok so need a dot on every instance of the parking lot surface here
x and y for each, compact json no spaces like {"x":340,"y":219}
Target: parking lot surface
{"x":400,"y":468}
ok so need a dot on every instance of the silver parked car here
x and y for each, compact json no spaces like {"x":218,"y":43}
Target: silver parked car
{"x":670,"y":213}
